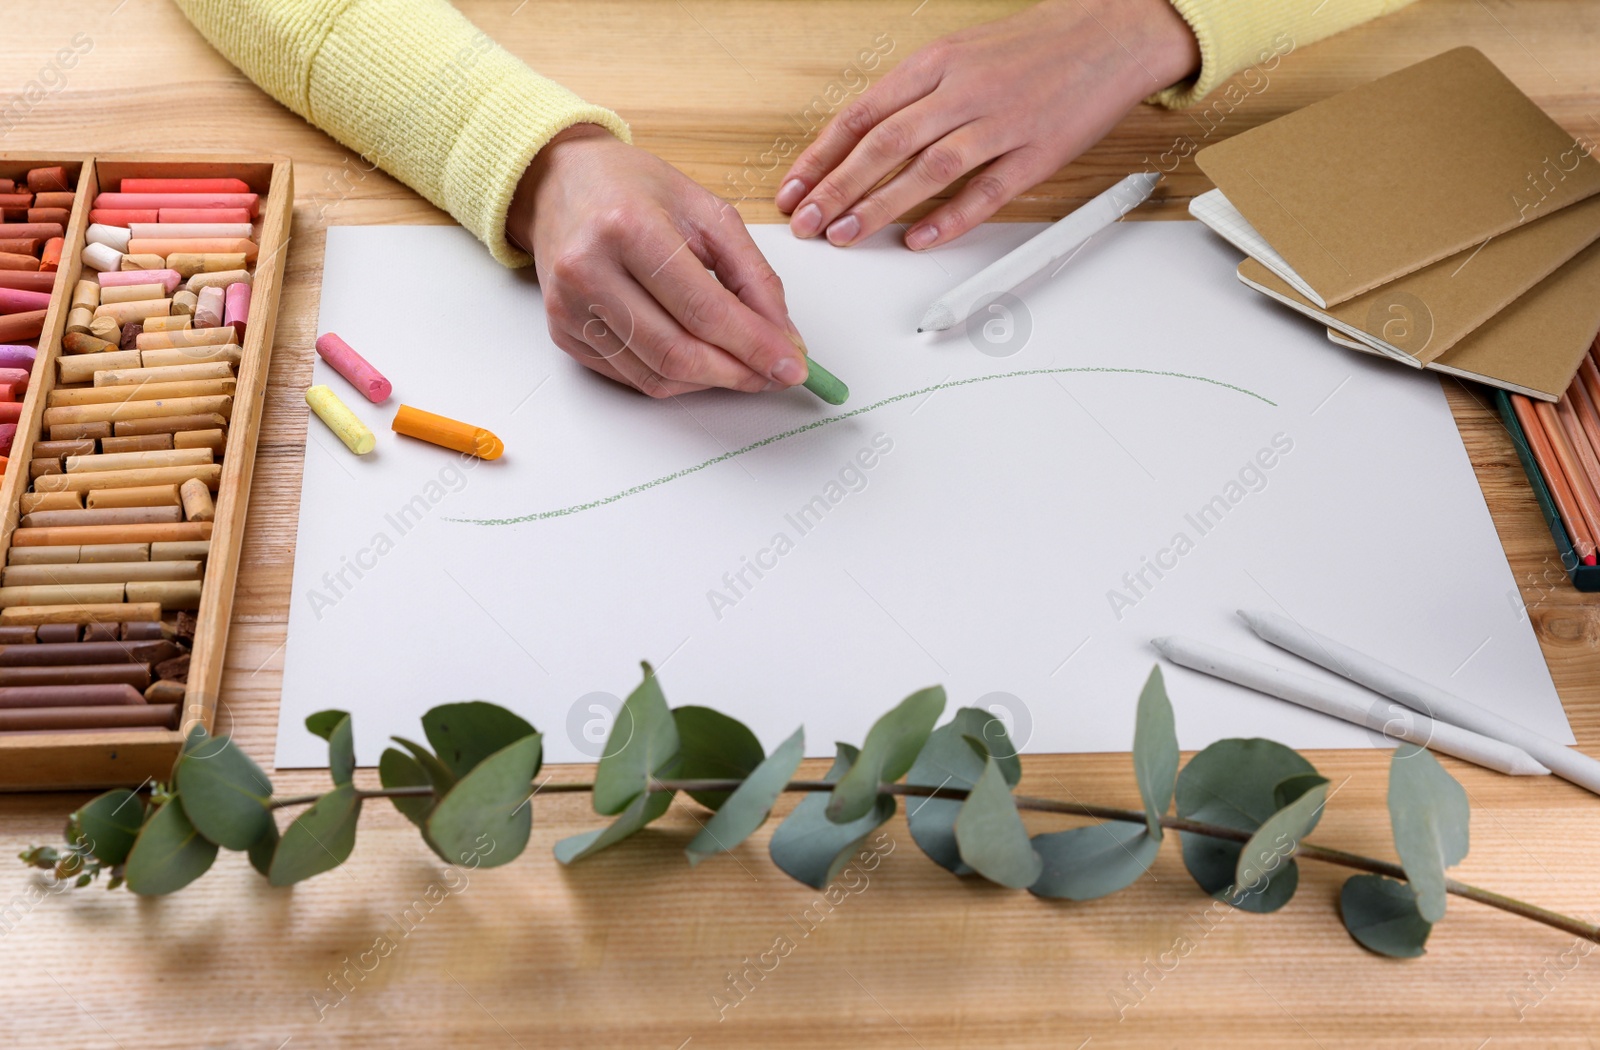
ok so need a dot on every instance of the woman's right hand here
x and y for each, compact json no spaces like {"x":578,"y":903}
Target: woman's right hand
{"x":622,"y":243}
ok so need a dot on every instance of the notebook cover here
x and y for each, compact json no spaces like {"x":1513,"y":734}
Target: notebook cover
{"x":1363,"y":188}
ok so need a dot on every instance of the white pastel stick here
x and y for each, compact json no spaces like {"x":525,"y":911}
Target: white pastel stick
{"x":1349,"y":703}
{"x":1051,"y":244}
{"x":1563,"y":761}
{"x":114,"y":237}
{"x":102,"y":257}
{"x":190,"y":229}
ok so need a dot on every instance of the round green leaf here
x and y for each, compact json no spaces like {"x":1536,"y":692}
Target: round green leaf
{"x":319,"y":840}
{"x":168,"y":854}
{"x":110,"y":824}
{"x":890,"y":750}
{"x":323,"y":723}
{"x":398,"y":769}
{"x":465,"y":734}
{"x":1233,"y":783}
{"x":1429,"y":814}
{"x":1085,"y":863}
{"x":712,"y":746}
{"x":990,"y":834}
{"x":747,"y":807}
{"x":810,"y":847}
{"x":225,"y":794}
{"x":487,"y":817}
{"x":261,"y":851}
{"x":438,"y":773}
{"x":947,"y":760}
{"x":1278,"y":838}
{"x":1155,"y":750}
{"x":642,"y":744}
{"x":1381,"y":914}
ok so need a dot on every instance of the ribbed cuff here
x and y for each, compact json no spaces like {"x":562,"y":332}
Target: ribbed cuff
{"x":1232,"y":34}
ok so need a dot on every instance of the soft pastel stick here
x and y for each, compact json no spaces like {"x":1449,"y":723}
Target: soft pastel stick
{"x":208,"y":310}
{"x":236,"y":307}
{"x":16,"y":356}
{"x":60,"y":215}
{"x":44,"y":179}
{"x":447,"y":433}
{"x":16,"y":261}
{"x":10,"y":412}
{"x":19,"y":245}
{"x":123,"y":216}
{"x":50,"y":258}
{"x":40,"y":230}
{"x":16,"y":300}
{"x":165,"y":215}
{"x":112,"y":236}
{"x":190,"y":229}
{"x":168,"y":279}
{"x":343,"y":422}
{"x":210,"y":185}
{"x":14,"y":377}
{"x":8,"y":434}
{"x":26,"y":325}
{"x":32,"y":280}
{"x":249,"y":201}
{"x":338,"y":353}
{"x":193,"y":245}
{"x":102,"y":257}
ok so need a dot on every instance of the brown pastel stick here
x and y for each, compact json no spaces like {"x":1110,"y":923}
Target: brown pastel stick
{"x":42,"y":555}
{"x":19,"y":261}
{"x":138,"y":443}
{"x":14,"y":328}
{"x":88,"y":343}
{"x":179,"y":457}
{"x":172,"y":323}
{"x":176,"y":669}
{"x":44,"y":465}
{"x":143,"y":631}
{"x":138,"y":496}
{"x":108,"y":395}
{"x":218,"y":278}
{"x":197,"y":502}
{"x":59,"y":633}
{"x":105,"y":328}
{"x":59,"y":216}
{"x":132,"y":293}
{"x":54,"y":199}
{"x":79,"y":613}
{"x":102,"y":572}
{"x":98,"y":553}
{"x":41,"y":231}
{"x":35,"y":501}
{"x":143,"y":262}
{"x":165,"y":374}
{"x":139,"y":477}
{"x":130,"y":332}
{"x":109,"y":716}
{"x":94,"y":534}
{"x":169,"y":594}
{"x":80,"y":319}
{"x":183,"y":550}
{"x":61,"y":593}
{"x":100,"y":632}
{"x":48,"y":180}
{"x":165,"y":693}
{"x":179,"y":406}
{"x":27,"y":687}
{"x":190,"y":355}
{"x":67,"y":431}
{"x":184,"y":627}
{"x":63,"y":448}
{"x":215,"y":440}
{"x":82,"y":369}
{"x":169,"y":424}
{"x":152,"y":651}
{"x":44,"y":519}
{"x":191,"y":337}
{"x":199,"y":264}
{"x":135,"y":675}
{"x":137,"y":310}
{"x":19,"y":245}
{"x":18,"y":635}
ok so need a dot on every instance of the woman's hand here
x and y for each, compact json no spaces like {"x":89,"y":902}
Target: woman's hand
{"x":1023,"y":95}
{"x":622,"y":241}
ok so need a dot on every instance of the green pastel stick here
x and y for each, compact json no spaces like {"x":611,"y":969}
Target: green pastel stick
{"x":825,"y":384}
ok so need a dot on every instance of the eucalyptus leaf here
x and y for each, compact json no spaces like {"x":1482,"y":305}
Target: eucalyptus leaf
{"x":1288,"y":789}
{"x":225,"y":795}
{"x":465,"y":734}
{"x":748,"y":806}
{"x":169,"y":853}
{"x":1234,"y":783}
{"x":437,"y":772}
{"x":261,"y":851}
{"x":398,"y":769}
{"x":342,"y":752}
{"x":1155,"y":750}
{"x":990,"y":834}
{"x":110,"y":824}
{"x":1085,"y":863}
{"x":642,"y":744}
{"x":813,"y":849}
{"x":641,"y":811}
{"x":487,"y":816}
{"x":1279,"y":837}
{"x":323,"y":723}
{"x":1381,"y":914}
{"x":712,"y":746}
{"x":319,"y":840}
{"x":948,"y":761}
{"x":1429,"y":814}
{"x":891,"y":748}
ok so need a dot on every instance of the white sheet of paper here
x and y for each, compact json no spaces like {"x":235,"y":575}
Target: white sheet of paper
{"x":974,"y":535}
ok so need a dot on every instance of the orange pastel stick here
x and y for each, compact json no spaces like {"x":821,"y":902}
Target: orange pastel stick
{"x":447,"y":433}
{"x":165,"y":246}
{"x":14,"y":261}
{"x":200,"y":215}
{"x":1554,"y":479}
{"x":1583,"y":493}
{"x":50,"y":258}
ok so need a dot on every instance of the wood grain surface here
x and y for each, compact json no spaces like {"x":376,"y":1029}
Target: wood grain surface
{"x":631,"y":948}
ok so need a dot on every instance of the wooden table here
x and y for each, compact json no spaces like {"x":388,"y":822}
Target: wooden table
{"x":629,"y":949}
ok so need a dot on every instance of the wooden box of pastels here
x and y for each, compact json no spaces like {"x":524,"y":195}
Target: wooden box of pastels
{"x":137,"y":302}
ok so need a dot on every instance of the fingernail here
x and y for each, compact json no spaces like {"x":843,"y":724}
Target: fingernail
{"x":789,"y":371}
{"x":921,"y":237}
{"x":807,"y":221}
{"x":789,"y":195}
{"x":844,"y":230}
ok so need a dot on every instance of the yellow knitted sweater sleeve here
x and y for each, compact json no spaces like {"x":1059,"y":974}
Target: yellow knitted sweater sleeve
{"x":1236,"y":34}
{"x":413,"y":87}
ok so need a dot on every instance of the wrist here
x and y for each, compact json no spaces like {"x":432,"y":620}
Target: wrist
{"x":525,"y":201}
{"x":1163,"y":49}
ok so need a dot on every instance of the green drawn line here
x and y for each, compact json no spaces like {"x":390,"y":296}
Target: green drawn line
{"x":577,"y":508}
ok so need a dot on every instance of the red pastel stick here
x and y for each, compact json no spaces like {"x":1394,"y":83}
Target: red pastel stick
{"x":10,"y":412}
{"x":121,"y":217}
{"x":17,"y":327}
{"x":14,"y":377}
{"x":60,"y":215}
{"x":16,"y":200}
{"x":41,"y":230}
{"x":26,"y":280}
{"x":16,"y":300}
{"x":41,"y":180}
{"x":184,"y":186}
{"x":248,"y":201}
{"x":201,"y":215}
{"x":8,"y":185}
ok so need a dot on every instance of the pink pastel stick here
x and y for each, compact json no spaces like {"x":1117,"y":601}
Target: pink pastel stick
{"x":13,"y":356}
{"x":8,"y":434}
{"x":208,"y":311}
{"x":140,"y":201}
{"x":354,"y":367}
{"x":10,"y":412}
{"x":236,"y":307}
{"x":19,"y":301}
{"x":168,"y":279}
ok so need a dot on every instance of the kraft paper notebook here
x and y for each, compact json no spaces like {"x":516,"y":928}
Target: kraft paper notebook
{"x":1361,"y":189}
{"x":1532,"y":347}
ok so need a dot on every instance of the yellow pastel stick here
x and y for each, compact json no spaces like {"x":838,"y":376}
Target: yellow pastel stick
{"x":343,"y":422}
